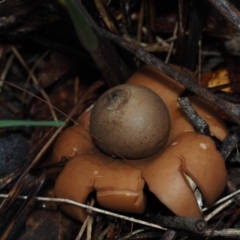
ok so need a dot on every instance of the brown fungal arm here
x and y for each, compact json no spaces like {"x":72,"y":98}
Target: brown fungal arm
{"x":204,"y":164}
{"x":74,"y":141}
{"x":165,"y":178}
{"x":169,"y":90}
{"x":194,"y":155}
{"x":207,"y":112}
{"x":119,"y":186}
{"x":70,"y":186}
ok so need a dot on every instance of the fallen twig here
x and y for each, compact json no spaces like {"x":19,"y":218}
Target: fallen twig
{"x":232,"y":110}
{"x":228,"y":11}
{"x":195,"y":225}
{"x":63,"y":200}
{"x":230,"y":232}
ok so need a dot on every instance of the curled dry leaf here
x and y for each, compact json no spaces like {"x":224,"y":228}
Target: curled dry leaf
{"x":217,"y":78}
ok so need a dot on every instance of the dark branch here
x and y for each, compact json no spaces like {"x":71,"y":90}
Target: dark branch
{"x":230,"y":143}
{"x":228,"y":11}
{"x":169,"y":235}
{"x":231,"y":187}
{"x":198,"y":123}
{"x":230,"y":232}
{"x":232,"y":110}
{"x":194,"y":225}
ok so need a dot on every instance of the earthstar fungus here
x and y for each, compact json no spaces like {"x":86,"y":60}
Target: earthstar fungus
{"x":119,"y":183}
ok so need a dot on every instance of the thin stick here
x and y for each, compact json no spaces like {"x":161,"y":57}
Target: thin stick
{"x":89,"y":228}
{"x":159,"y":46}
{"x":230,"y":232}
{"x":5,"y":70}
{"x":222,"y":200}
{"x":140,"y":22}
{"x":172,"y":43}
{"x":44,"y":94}
{"x":129,"y":235}
{"x":39,"y":60}
{"x":62,"y":200}
{"x":76,"y":89}
{"x":102,"y":234}
{"x":228,"y":10}
{"x":83,"y":228}
{"x":199,"y":61}
{"x":85,"y":223}
{"x":218,"y":209}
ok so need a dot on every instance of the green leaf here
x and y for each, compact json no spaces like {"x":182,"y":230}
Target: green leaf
{"x":23,"y":123}
{"x":83,"y":24}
